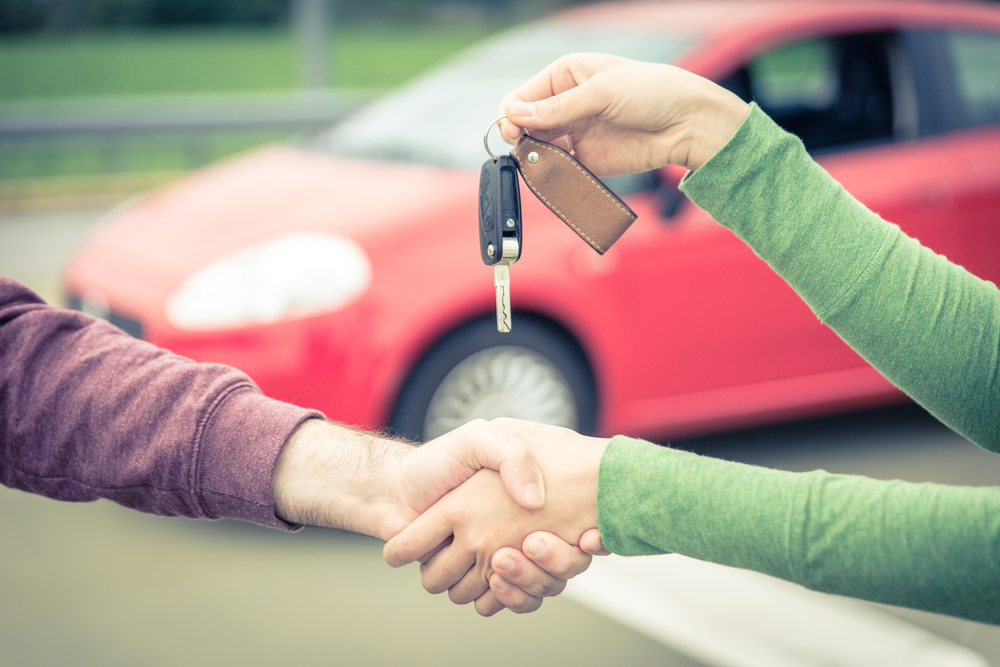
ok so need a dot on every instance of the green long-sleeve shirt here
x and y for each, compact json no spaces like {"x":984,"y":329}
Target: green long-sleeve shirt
{"x":929,"y":326}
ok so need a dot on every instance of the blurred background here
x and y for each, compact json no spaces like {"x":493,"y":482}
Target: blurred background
{"x":101,"y":100}
{"x":104,"y":97}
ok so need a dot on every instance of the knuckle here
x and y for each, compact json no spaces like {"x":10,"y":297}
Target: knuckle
{"x":470,"y":430}
{"x":434,"y":588}
{"x":554,"y":589}
{"x":563,"y":66}
{"x":487,"y":605}
{"x":498,"y":559}
{"x":529,"y":605}
{"x":556,"y":564}
{"x":548,"y":588}
{"x":500,"y":422}
{"x":396,"y":555}
{"x":477,"y":424}
{"x":459,"y":596}
{"x":557,"y":558}
{"x":480,"y":546}
{"x":555,"y":106}
{"x":430,"y":582}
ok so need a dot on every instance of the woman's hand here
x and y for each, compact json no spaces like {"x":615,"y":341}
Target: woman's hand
{"x":621,"y":116}
{"x":539,"y":570}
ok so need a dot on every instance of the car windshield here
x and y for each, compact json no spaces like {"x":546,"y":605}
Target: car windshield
{"x":440,"y":117}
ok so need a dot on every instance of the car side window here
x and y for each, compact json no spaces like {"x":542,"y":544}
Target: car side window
{"x":796,"y":78}
{"x":831,"y":92}
{"x":975,"y":58}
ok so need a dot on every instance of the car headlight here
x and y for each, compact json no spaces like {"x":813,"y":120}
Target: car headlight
{"x":290,"y":277}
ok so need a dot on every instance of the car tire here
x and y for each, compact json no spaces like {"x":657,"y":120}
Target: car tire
{"x":536,"y":372}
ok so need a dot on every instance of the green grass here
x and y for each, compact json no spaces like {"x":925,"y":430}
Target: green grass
{"x":131,"y":153}
{"x":58,"y":69}
{"x":47,"y":66}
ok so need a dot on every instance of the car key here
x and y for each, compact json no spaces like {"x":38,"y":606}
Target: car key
{"x":500,"y":228}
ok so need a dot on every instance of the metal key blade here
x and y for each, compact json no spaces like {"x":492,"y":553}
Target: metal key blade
{"x":501,"y":281}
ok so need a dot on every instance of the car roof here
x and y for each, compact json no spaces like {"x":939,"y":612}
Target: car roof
{"x":717,"y":16}
{"x":730,"y":29}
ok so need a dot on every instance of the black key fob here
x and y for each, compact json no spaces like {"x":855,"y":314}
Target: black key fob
{"x":499,"y":210}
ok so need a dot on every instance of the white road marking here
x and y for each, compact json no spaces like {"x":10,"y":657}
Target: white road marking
{"x":727,"y":617}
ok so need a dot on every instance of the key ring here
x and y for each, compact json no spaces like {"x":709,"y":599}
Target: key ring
{"x":486,"y":137}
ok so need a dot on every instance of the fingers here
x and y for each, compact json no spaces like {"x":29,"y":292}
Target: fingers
{"x":520,"y":584}
{"x":508,"y":595}
{"x":471,"y":586}
{"x":552,"y":554}
{"x":559,"y":95}
{"x":488,"y":604}
{"x":590,"y":542}
{"x":556,"y":113}
{"x":430,"y":554}
{"x":418,"y":539}
{"x":448,"y":567}
{"x":542,"y":569}
{"x":525,"y":576}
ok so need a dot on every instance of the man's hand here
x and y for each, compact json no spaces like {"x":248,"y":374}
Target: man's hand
{"x":332,"y":476}
{"x":476,"y":520}
{"x":621,"y":116}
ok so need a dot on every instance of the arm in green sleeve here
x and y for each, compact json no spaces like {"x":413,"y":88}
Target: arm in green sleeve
{"x":929,"y":326}
{"x":925,"y":546}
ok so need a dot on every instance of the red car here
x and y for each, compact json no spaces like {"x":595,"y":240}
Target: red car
{"x":343,"y":273}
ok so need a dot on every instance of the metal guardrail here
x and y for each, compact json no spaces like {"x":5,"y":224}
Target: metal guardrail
{"x":306,"y":110}
{"x":195,"y":123}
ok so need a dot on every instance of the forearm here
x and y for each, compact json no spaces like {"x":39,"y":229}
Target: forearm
{"x":333,"y":476}
{"x":929,"y":326}
{"x":924,"y":546}
{"x":88,"y":412}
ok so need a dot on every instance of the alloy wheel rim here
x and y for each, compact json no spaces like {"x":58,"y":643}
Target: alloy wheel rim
{"x":502,"y":381}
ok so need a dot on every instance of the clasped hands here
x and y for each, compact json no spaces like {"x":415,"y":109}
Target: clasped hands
{"x":480,"y":545}
{"x":464,"y":504}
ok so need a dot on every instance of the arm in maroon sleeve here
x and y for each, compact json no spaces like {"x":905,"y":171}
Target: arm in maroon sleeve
{"x":88,"y":412}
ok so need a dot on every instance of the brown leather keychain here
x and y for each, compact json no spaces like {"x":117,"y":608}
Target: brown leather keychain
{"x":568,"y":188}
{"x":572,"y":192}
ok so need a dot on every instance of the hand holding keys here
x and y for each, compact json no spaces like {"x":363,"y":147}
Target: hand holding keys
{"x":559,"y":181}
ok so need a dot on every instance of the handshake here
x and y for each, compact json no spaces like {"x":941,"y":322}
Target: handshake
{"x":501,"y":513}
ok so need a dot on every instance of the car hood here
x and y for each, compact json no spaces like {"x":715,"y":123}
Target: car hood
{"x":273,"y":192}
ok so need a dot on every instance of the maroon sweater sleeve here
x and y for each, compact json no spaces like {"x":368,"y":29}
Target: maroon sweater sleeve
{"x":88,"y":412}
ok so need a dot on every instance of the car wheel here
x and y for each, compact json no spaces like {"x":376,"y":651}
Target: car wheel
{"x":535,"y":372}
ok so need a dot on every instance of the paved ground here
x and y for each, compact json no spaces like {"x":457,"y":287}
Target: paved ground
{"x":96,"y":584}
{"x":34,"y":244}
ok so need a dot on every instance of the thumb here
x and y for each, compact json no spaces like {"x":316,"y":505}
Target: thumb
{"x":478,"y":444}
{"x":558,"y":111}
{"x":494,"y":448}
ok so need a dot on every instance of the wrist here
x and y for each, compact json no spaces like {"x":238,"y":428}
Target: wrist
{"x":721,"y":114}
{"x":571,"y":476}
{"x":332,"y":476}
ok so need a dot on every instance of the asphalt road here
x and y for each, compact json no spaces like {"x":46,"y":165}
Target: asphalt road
{"x":96,"y":584}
